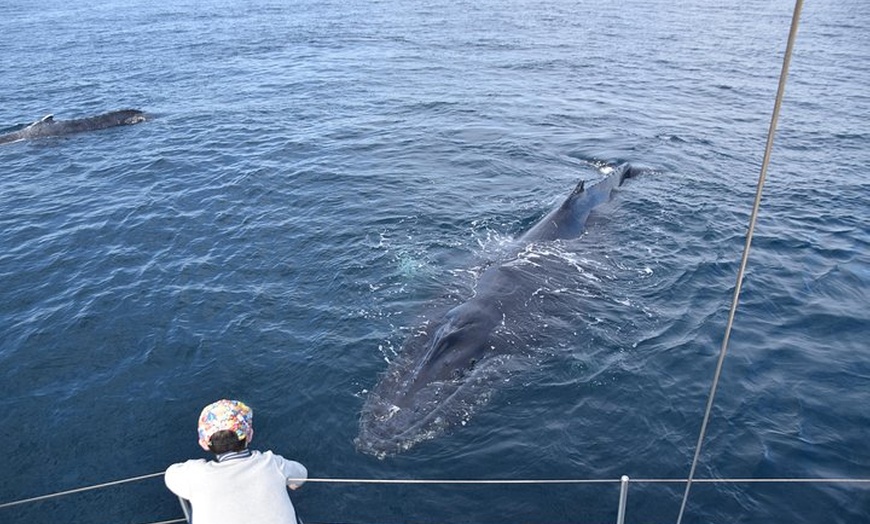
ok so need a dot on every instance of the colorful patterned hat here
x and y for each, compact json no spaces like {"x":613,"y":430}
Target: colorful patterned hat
{"x":231,"y":415}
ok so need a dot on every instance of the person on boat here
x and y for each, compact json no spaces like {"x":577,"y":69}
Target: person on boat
{"x":239,"y":485}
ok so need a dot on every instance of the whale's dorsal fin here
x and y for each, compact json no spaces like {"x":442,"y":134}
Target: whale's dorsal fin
{"x":573,"y":196}
{"x":47,"y":119}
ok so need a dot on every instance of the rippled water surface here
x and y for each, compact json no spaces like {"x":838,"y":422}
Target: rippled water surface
{"x":316,"y":177}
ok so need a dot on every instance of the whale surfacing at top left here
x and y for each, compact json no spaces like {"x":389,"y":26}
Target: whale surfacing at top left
{"x":48,"y":126}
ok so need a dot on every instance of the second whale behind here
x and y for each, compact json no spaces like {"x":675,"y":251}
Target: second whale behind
{"x":48,"y":126}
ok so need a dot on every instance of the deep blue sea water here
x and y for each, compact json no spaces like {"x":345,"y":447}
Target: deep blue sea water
{"x":315,"y":175}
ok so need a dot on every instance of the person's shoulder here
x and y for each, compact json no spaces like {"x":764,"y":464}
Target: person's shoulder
{"x":268,"y":455}
{"x":290,"y":469}
{"x":275,"y":458}
{"x":187,"y":464}
{"x":191,"y":462}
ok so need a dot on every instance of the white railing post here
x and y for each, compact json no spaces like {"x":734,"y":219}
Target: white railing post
{"x":187,"y":509}
{"x":623,"y":499}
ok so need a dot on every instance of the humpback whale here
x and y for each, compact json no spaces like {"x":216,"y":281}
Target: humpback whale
{"x":48,"y":126}
{"x":451,"y":364}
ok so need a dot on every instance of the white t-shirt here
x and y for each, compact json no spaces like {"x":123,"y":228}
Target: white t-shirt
{"x":250,"y":489}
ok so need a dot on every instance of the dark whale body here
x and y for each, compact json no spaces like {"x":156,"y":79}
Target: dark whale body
{"x":48,"y":126}
{"x":452,"y":364}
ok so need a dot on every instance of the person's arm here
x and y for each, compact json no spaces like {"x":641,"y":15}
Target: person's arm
{"x":177,"y":479}
{"x":293,"y":471}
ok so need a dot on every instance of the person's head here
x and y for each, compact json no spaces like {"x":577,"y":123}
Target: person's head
{"x":225,"y":425}
{"x":225,"y":441}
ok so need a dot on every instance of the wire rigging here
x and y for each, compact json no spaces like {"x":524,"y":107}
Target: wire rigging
{"x":752,"y":220}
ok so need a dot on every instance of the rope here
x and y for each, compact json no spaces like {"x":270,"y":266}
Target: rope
{"x":505,"y":482}
{"x":447,"y":481}
{"x":756,"y":481}
{"x":764,"y":164}
{"x":590,"y":481}
{"x":469,"y":482}
{"x":79,"y":490}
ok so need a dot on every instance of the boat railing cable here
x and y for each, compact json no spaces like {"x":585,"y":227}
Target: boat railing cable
{"x":623,"y":482}
{"x":743,"y":262}
{"x":79,"y":490}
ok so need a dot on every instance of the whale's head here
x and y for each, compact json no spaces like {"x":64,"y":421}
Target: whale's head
{"x":441,"y":375}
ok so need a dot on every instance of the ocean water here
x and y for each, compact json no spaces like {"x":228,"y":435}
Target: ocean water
{"x":314,"y":176}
